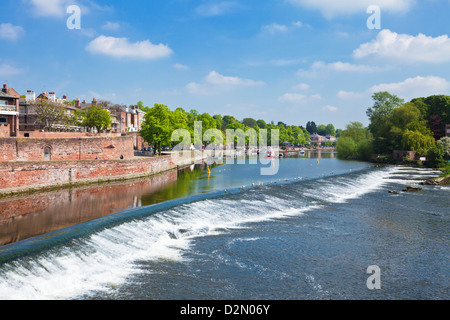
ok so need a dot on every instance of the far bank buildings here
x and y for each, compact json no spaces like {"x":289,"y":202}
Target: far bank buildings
{"x":18,"y":120}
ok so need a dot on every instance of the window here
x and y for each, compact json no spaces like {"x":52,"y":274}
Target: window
{"x":3,"y":120}
{"x":47,"y":154}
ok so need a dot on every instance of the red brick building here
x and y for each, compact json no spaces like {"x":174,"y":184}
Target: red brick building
{"x":9,"y":112}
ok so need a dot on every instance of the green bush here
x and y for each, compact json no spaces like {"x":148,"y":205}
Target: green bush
{"x":435,"y":156}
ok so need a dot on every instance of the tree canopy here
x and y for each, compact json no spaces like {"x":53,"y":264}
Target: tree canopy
{"x":160,"y":122}
{"x":395,"y":125}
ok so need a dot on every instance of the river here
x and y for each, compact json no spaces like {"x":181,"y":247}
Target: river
{"x":309,"y":232}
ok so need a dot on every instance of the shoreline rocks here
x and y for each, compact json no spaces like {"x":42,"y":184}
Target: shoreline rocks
{"x":411,"y":189}
{"x":436,"y":181}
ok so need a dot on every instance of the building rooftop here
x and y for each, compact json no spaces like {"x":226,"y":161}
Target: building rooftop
{"x":4,"y":95}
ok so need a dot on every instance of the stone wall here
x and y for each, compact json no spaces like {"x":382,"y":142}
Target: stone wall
{"x":63,"y":149}
{"x":22,"y":176}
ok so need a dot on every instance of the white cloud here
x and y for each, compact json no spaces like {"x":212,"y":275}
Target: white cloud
{"x":408,"y":89}
{"x":8,"y":70}
{"x":415,"y":87}
{"x":293,"y":98}
{"x":330,"y":108}
{"x":345,"y":67}
{"x":111,"y":26}
{"x":349,"y":95}
{"x":333,"y":8}
{"x":406,"y":48}
{"x":180,"y":66}
{"x":320,"y":67}
{"x":281,"y":28}
{"x":302,"y":86}
{"x":275,"y":63}
{"x":58,"y":8}
{"x":215,"y":82}
{"x":10,"y":32}
{"x":122,"y":48}
{"x":297,"y":98}
{"x":216,"y":78}
{"x":275,"y":28}
{"x":215,"y":9}
{"x":50,"y":8}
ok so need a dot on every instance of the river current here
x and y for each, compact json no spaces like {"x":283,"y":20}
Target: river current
{"x":309,"y":232}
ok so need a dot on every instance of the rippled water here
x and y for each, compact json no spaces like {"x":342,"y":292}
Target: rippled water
{"x":290,"y":238}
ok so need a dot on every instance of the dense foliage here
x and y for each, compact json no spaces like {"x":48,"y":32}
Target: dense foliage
{"x":418,"y":125}
{"x":160,"y":122}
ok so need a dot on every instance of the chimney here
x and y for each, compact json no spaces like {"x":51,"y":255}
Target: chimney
{"x":52,"y":96}
{"x":94,"y":102}
{"x":30,"y":95}
{"x":77,"y":103}
{"x":5,"y":88}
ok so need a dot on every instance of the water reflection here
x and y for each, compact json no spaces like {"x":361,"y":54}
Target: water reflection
{"x":28,"y":216}
{"x":32,"y":215}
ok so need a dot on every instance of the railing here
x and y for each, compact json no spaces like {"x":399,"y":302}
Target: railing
{"x":7,"y":108}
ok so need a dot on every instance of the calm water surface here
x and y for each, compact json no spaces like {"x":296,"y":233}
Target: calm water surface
{"x":283,"y":238}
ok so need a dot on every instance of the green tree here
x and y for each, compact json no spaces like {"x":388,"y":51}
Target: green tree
{"x":249,"y":122}
{"x":261,"y":124}
{"x":322,"y":130}
{"x":355,"y":142}
{"x":330,"y":130}
{"x":157,"y":127}
{"x":445,"y":142}
{"x":435,"y":156}
{"x":384,"y":104}
{"x":311,"y":127}
{"x":96,"y":117}
{"x":416,"y":141}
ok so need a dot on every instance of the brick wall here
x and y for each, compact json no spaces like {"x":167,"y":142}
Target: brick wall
{"x":21,"y":176}
{"x":5,"y":130}
{"x":32,"y":149}
{"x":53,"y":135}
{"x":64,"y":208}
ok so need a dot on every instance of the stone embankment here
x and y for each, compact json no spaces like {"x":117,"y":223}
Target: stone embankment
{"x":30,"y":176}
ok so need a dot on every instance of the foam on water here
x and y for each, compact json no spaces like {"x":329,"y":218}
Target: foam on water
{"x":106,"y":258}
{"x":343,"y":188}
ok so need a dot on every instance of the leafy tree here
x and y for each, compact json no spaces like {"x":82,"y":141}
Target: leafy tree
{"x":249,"y":122}
{"x":322,"y":130}
{"x":355,"y":142}
{"x":218,"y":119}
{"x":95,"y":116}
{"x":330,"y":130}
{"x":445,"y":142}
{"x":156,"y":127}
{"x":414,"y":140}
{"x":311,"y":127}
{"x":261,"y":124}
{"x":435,"y":156}
{"x":384,"y":104}
{"x":48,"y":113}
{"x":436,"y":111}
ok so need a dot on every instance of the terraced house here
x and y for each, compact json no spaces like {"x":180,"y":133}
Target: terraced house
{"x":9,"y":112}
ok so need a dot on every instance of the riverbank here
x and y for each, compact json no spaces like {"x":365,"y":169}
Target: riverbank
{"x":443,"y":179}
{"x":28,"y":177}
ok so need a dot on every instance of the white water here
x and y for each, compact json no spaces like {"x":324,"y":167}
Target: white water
{"x":105,"y":259}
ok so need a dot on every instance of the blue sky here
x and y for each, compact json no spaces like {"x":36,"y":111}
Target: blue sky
{"x":283,"y":60}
